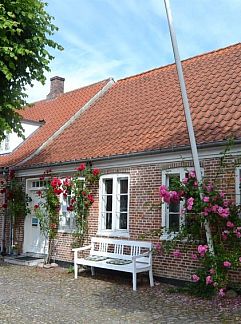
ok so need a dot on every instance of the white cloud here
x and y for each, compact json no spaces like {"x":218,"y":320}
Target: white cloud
{"x":111,"y":38}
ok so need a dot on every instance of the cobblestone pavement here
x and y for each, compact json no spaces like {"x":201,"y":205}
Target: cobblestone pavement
{"x":35,"y":295}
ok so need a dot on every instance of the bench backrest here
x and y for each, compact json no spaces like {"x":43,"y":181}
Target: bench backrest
{"x":122,"y":249}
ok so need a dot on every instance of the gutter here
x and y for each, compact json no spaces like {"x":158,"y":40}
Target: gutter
{"x":133,"y":154}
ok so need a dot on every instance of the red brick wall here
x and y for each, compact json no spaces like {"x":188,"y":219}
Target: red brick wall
{"x":145,"y":211}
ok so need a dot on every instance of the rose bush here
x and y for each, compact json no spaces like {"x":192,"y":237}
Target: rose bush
{"x":48,"y":207}
{"x":204,"y":201}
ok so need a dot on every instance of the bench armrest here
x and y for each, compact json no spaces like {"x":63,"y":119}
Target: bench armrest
{"x":134,"y":257}
{"x":82,"y":248}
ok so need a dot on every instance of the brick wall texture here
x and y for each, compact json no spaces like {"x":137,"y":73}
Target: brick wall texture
{"x":145,"y":212}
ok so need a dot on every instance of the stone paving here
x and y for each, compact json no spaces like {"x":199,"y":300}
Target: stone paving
{"x":36,"y":295}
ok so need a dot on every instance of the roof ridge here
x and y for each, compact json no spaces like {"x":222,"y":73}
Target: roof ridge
{"x":74,"y":90}
{"x":185,"y":60}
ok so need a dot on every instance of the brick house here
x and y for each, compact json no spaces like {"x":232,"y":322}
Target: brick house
{"x":134,"y":130}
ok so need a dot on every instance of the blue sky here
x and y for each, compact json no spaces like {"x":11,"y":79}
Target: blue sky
{"x":118,"y":38}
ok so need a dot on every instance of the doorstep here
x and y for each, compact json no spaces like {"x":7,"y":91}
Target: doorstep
{"x":27,"y":259}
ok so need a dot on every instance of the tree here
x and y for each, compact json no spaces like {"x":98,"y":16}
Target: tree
{"x":25,"y":31}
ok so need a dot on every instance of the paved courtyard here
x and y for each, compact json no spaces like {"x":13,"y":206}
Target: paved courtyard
{"x":35,"y":295}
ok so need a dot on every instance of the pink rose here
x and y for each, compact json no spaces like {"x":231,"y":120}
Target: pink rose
{"x":202,"y":249}
{"x":227,"y":264}
{"x":212,"y":271}
{"x":230,"y":224}
{"x":209,"y":280}
{"x":194,"y":256}
{"x":177,"y":254}
{"x":206,"y":199}
{"x":190,"y":203}
{"x":195,"y":278}
{"x":185,"y":180}
{"x":239,"y":259}
{"x":192,"y":174}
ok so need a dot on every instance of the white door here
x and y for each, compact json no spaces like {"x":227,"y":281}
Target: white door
{"x":34,"y":240}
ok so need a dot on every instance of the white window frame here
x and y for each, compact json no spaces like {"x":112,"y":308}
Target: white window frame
{"x":166,"y":235}
{"x":70,"y":214}
{"x":115,"y":231}
{"x":165,"y":217}
{"x":237,"y":185}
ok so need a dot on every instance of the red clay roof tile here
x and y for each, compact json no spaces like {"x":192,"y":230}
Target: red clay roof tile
{"x":144,"y":112}
{"x":55,"y":112}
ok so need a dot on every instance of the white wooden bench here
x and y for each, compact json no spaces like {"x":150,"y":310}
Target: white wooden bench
{"x":122,"y":255}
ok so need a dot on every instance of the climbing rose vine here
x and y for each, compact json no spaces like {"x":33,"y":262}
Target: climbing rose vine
{"x":204,"y":201}
{"x":78,"y":189}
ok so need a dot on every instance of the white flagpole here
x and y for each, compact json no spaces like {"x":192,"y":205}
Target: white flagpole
{"x":187,"y":112}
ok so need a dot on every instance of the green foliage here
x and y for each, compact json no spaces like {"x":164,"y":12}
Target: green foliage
{"x":25,"y":31}
{"x":78,"y":188}
{"x":83,"y":200}
{"x":70,"y":269}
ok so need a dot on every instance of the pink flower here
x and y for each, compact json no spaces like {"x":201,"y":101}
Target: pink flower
{"x":185,"y":180}
{"x":36,"y":206}
{"x":222,"y":194}
{"x":223,"y":212}
{"x":192,"y":174}
{"x":227,"y":264}
{"x":206,"y":211}
{"x":202,"y":249}
{"x":230,"y":224}
{"x":237,"y":233}
{"x":177,"y":254}
{"x":190,"y":203}
{"x":226,"y":203}
{"x":195,"y":278}
{"x":174,"y":196}
{"x":158,"y":247}
{"x":209,"y":280}
{"x":239,"y":259}
{"x":214,"y":208}
{"x":206,"y":199}
{"x":194,"y":256}
{"x":165,"y":194}
{"x":225,"y":235}
{"x":212,"y":271}
{"x":221,"y":292}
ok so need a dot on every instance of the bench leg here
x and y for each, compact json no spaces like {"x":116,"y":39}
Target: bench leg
{"x":75,"y":270}
{"x":151,"y":278}
{"x":92,"y":271}
{"x":134,"y":281}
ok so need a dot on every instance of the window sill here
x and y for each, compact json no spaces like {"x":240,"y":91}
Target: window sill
{"x":113,"y":233}
{"x":168,"y":236}
{"x":68,"y":231}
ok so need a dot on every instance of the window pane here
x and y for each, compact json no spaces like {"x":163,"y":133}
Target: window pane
{"x":108,"y":220}
{"x":108,"y":206}
{"x":174,"y":207}
{"x":123,"y":221}
{"x":174,"y":222}
{"x":108,"y":186}
{"x":124,"y":186}
{"x":123,"y":203}
{"x":34,"y":221}
{"x":173,"y":178}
